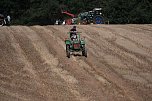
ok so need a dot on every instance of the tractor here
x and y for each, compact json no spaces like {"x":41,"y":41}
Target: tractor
{"x":4,"y":20}
{"x":94,"y":16}
{"x":75,"y":45}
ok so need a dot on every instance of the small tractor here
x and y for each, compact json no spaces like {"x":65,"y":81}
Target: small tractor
{"x":75,"y":45}
{"x":4,"y":20}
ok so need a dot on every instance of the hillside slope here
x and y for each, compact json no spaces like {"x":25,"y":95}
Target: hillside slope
{"x":34,"y":66}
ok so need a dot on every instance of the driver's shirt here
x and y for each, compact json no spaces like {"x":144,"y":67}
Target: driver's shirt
{"x":73,"y":32}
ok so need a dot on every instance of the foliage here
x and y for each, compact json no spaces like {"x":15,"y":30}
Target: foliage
{"x":47,"y":11}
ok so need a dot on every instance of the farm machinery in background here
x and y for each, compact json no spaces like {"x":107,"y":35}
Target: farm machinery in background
{"x":95,"y":17}
{"x":70,"y":20}
{"x":91,"y":17}
{"x":4,"y":20}
{"x":66,"y":18}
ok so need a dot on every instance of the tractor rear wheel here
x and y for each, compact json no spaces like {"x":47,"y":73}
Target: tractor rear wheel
{"x":68,"y":51}
{"x":84,"y":51}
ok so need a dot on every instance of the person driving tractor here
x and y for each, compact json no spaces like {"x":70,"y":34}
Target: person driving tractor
{"x":73,"y":34}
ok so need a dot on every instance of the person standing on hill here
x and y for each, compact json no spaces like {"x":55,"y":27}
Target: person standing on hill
{"x":8,"y":19}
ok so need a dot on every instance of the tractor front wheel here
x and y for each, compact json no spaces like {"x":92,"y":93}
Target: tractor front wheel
{"x":68,"y":51}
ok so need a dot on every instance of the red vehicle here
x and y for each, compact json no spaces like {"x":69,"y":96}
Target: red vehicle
{"x":69,"y":21}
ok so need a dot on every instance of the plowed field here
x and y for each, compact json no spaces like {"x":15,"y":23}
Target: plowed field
{"x":34,"y":66}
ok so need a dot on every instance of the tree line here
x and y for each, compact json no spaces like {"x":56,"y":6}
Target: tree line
{"x":31,"y":12}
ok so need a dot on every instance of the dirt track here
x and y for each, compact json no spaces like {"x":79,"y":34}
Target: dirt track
{"x":34,"y":66}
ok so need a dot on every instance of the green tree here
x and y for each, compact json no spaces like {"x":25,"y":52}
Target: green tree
{"x":47,"y":11}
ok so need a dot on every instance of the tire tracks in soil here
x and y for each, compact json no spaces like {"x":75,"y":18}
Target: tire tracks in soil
{"x":112,"y":52}
{"x":106,"y":62}
{"x":144,"y":77}
{"x":58,"y":32}
{"x":84,"y":65}
{"x":39,"y":52}
{"x":21,"y":75}
{"x":138,"y":56}
{"x":57,"y":47}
